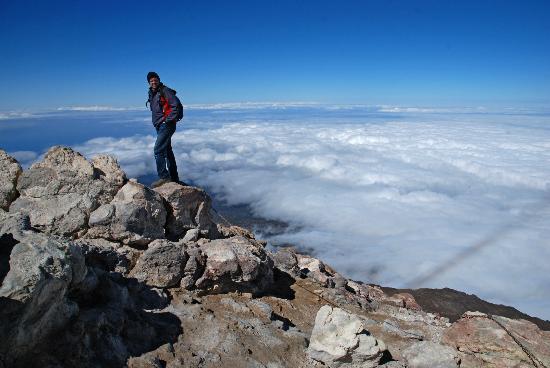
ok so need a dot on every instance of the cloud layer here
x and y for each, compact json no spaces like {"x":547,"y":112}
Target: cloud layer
{"x":385,"y":200}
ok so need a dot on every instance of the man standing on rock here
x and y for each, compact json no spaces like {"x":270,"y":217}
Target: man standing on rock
{"x":166,"y":110}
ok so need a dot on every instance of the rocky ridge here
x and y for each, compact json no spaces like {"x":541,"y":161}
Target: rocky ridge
{"x":100,"y":271}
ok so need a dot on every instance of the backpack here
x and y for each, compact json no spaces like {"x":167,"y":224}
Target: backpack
{"x":179,"y":108}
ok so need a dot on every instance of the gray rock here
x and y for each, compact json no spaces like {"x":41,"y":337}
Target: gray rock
{"x":427,"y":354}
{"x":59,"y":192}
{"x":235,"y":264}
{"x":9,"y":172}
{"x":191,"y":236}
{"x":107,"y":169}
{"x":190,"y":209}
{"x":136,"y":216}
{"x":33,"y":293}
{"x":14,"y":223}
{"x":285,"y":259}
{"x":340,"y":339}
{"x":320,"y":272}
{"x":194,"y":267}
{"x":161,"y":265}
{"x":109,"y":256}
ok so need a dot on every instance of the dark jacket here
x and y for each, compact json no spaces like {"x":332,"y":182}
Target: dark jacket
{"x":163,"y":105}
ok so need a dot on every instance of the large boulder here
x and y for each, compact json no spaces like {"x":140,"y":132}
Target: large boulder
{"x":189,"y":209}
{"x":61,"y":191}
{"x":235,"y":263}
{"x":37,"y":274}
{"x":9,"y":172}
{"x":494,"y":341}
{"x":341,"y":339}
{"x":161,"y":265}
{"x":136,"y":216}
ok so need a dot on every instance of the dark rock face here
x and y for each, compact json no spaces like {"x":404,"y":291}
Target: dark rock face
{"x":99,"y":271}
{"x":33,"y":293}
{"x":161,"y":265}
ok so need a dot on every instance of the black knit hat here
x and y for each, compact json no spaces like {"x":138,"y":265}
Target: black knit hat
{"x":152,"y":75}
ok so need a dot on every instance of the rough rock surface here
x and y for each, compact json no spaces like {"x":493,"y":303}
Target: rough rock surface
{"x":341,"y":339}
{"x":90,"y":278}
{"x":9,"y":172}
{"x":161,"y":265}
{"x":59,"y":192}
{"x":135,"y":216}
{"x":493,"y":341}
{"x":233,"y":261}
{"x":190,"y":209}
{"x":33,"y":293}
{"x":427,"y":354}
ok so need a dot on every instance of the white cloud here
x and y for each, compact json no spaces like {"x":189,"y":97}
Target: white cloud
{"x":98,"y":108}
{"x":25,"y":158}
{"x":15,"y":115}
{"x":387,"y":202}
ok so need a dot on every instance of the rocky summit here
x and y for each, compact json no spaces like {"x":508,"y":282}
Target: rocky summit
{"x":98,"y":270}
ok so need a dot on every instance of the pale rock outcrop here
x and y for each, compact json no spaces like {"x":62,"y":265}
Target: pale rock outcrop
{"x":235,"y":263}
{"x":427,"y":354}
{"x":34,"y":287}
{"x":340,"y":339}
{"x":136,"y":216}
{"x":493,"y":341}
{"x":9,"y":172}
{"x":161,"y":265}
{"x":189,"y":209}
{"x":107,"y":169}
{"x":59,"y":192}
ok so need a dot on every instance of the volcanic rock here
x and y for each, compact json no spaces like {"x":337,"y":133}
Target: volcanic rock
{"x":493,"y":341}
{"x":59,"y":192}
{"x":34,"y":288}
{"x":341,"y":339}
{"x":9,"y":172}
{"x":189,"y":209}
{"x":235,"y":264}
{"x":136,"y":216}
{"x":161,"y":265}
{"x":427,"y":354}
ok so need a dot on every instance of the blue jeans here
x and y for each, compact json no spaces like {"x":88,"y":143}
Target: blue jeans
{"x":164,"y":156}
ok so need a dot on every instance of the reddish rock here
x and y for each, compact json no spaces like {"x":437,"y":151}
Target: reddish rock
{"x":498,"y":341}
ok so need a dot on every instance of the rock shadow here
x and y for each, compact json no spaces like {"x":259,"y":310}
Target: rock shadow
{"x":118,"y":318}
{"x":281,"y":286}
{"x":7,"y":242}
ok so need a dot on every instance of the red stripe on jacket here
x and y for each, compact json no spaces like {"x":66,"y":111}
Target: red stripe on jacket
{"x":166,"y":108}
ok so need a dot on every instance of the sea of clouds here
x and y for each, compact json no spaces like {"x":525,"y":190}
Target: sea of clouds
{"x":407,"y":197}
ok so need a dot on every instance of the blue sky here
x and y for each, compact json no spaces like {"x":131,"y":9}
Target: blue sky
{"x":66,"y":53}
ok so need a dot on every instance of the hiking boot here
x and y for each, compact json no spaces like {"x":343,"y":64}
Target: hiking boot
{"x":182,"y":183}
{"x":160,"y":182}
